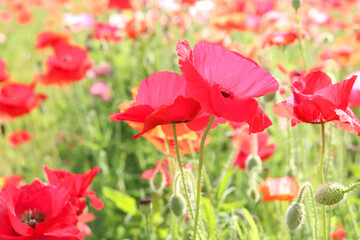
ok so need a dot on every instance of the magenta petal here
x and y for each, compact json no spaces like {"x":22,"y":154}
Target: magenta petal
{"x":285,"y":108}
{"x":182,"y":110}
{"x":312,"y":82}
{"x":238,"y":110}
{"x":233,"y":72}
{"x":134,"y":114}
{"x":338,"y":93}
{"x":148,"y":174}
{"x":95,"y":201}
{"x":348,"y":121}
{"x":161,"y":88}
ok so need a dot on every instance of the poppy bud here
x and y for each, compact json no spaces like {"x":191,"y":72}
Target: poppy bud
{"x":269,"y":97}
{"x":253,"y":194}
{"x":330,"y":194}
{"x":145,"y":206}
{"x":296,"y":4}
{"x":295,"y":216}
{"x":158,"y":181}
{"x":253,"y":163}
{"x":177,"y":205}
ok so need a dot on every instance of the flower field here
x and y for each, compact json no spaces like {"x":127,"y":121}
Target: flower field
{"x":179,"y":119}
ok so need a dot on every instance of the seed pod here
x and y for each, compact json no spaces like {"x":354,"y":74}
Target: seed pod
{"x":330,"y":194}
{"x":253,"y":163}
{"x":158,"y":181}
{"x":177,"y":205}
{"x":295,"y":216}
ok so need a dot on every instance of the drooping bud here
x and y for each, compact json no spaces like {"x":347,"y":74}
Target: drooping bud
{"x":145,"y":206}
{"x":295,"y":216}
{"x":158,"y":181}
{"x":177,"y":205}
{"x":296,"y":4}
{"x":330,"y":194}
{"x":253,"y":163}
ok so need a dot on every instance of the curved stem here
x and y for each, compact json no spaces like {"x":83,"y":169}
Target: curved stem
{"x":201,"y":159}
{"x":352,"y":187}
{"x":182,"y":172}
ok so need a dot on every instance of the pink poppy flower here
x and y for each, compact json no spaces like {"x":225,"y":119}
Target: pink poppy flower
{"x":18,"y":138}
{"x":339,"y":233}
{"x":79,"y":22}
{"x":355,"y":92}
{"x":225,"y":83}
{"x":85,"y":218}
{"x":77,"y":185}
{"x":162,"y":100}
{"x":316,"y":100}
{"x":100,"y":89}
{"x":107,"y":32}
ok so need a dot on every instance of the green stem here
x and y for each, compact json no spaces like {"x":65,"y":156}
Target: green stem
{"x":182,"y":172}
{"x":323,"y":209}
{"x":352,"y":187}
{"x":201,"y":159}
{"x":147,"y":228}
{"x":313,"y":205}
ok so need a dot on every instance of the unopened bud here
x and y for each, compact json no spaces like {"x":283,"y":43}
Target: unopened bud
{"x":158,"y":181}
{"x":177,"y":205}
{"x":253,"y":163}
{"x":145,"y":206}
{"x":295,"y":216}
{"x":269,"y":97}
{"x":330,"y":194}
{"x":296,"y":4}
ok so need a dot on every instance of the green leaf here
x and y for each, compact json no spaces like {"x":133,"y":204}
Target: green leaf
{"x":208,"y":214}
{"x":224,"y":183}
{"x":121,"y":200}
{"x":254,"y":233}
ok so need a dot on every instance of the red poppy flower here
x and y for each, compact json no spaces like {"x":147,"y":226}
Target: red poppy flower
{"x":279,"y":189}
{"x":107,"y":32}
{"x":225,"y":83}
{"x":69,"y":63}
{"x":265,"y":149}
{"x":339,"y":233}
{"x":316,"y":100}
{"x":120,"y":4}
{"x":161,"y":100}
{"x":149,"y":174}
{"x":18,"y":138}
{"x":12,"y":180}
{"x":3,"y":74}
{"x":37,"y":211}
{"x":17,"y":99}
{"x":50,"y":38}
{"x":77,"y":185}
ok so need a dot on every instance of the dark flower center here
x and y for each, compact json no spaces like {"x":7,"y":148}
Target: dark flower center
{"x":67,"y":59}
{"x":33,"y":217}
{"x":225,"y":94}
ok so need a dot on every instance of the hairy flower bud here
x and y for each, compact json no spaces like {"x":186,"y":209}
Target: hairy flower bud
{"x":158,"y":181}
{"x":253,"y":194}
{"x":295,"y":216}
{"x":330,"y":194}
{"x":253,"y":163}
{"x":145,"y":206}
{"x":177,"y":205}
